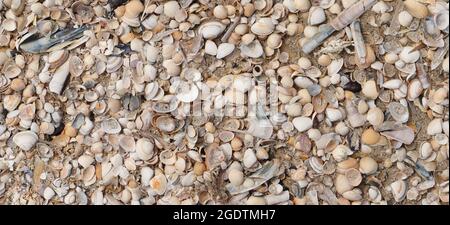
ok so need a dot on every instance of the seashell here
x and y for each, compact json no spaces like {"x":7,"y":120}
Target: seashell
{"x":415,"y":89}
{"x":398,"y":189}
{"x":133,"y":9}
{"x":368,"y":165}
{"x":274,"y":41}
{"x":402,"y":134}
{"x":253,"y":200}
{"x":316,"y":16}
{"x":82,"y":12}
{"x":404,"y":18}
{"x":226,"y":136}
{"x":333,"y":114}
{"x":399,"y":112}
{"x":58,"y":80}
{"x":57,"y":58}
{"x":439,"y":95}
{"x":335,"y":66}
{"x":375,"y":116}
{"x":114,"y":63}
{"x":236,"y":177}
{"x":48,"y":193}
{"x":369,"y":89}
{"x":263,"y":26}
{"x":165,"y":124}
{"x":211,"y":30}
{"x":159,"y":184}
{"x":408,"y":55}
{"x":111,"y":126}
{"x":302,"y":124}
{"x":416,"y":8}
{"x":127,"y":143}
{"x":353,"y":195}
{"x":171,"y":8}
{"x":441,"y":19}
{"x":381,"y":7}
{"x":370,"y":137}
{"x":353,"y":176}
{"x":85,"y":160}
{"x":76,"y":66}
{"x":210,"y":48}
{"x":316,"y":164}
{"x":224,"y":49}
{"x":9,"y":25}
{"x":434,"y":127}
{"x":167,"y":157}
{"x":341,"y":152}
{"x":187,"y":93}
{"x":392,"y":84}
{"x":25,"y":140}
{"x":341,"y":183}
{"x":10,"y":102}
{"x":249,"y":158}
{"x":354,"y":117}
{"x":252,"y":50}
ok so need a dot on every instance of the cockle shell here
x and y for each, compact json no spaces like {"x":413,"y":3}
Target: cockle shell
{"x":252,"y":50}
{"x":159,"y":184}
{"x":25,"y":140}
{"x":302,"y":124}
{"x":316,"y":16}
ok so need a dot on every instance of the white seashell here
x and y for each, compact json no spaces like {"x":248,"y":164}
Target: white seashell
{"x":369,"y":89}
{"x":48,"y":193}
{"x":341,"y":183}
{"x":224,"y":49}
{"x":316,"y":16}
{"x":316,"y":164}
{"x":375,"y":116}
{"x":434,"y":127}
{"x":211,"y":30}
{"x":335,"y":66}
{"x":404,"y":18}
{"x":144,"y":149}
{"x":263,"y":26}
{"x":171,"y":8}
{"x":187,"y":93}
{"x":333,"y":114}
{"x":425,"y":150}
{"x":399,"y":112}
{"x":210,"y":48}
{"x":167,"y":157}
{"x":408,"y":56}
{"x":398,"y":189}
{"x":441,"y":19}
{"x":274,"y":41}
{"x":341,"y":152}
{"x":252,"y":50}
{"x":85,"y":160}
{"x":302,"y":124}
{"x":25,"y":140}
{"x":393,"y":84}
{"x":249,"y":158}
{"x":415,"y":89}
{"x":380,"y":7}
{"x":56,"y":84}
{"x":353,"y":195}
{"x":297,"y":5}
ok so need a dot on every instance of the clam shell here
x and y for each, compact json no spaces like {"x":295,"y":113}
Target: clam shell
{"x":249,"y":158}
{"x":335,"y":66}
{"x":252,"y":50}
{"x":127,"y":143}
{"x":224,"y":49}
{"x":353,"y":176}
{"x":263,"y":26}
{"x":403,"y":134}
{"x":398,"y":189}
{"x":25,"y":140}
{"x":144,"y":149}
{"x":159,"y":184}
{"x":168,"y":157}
{"x":316,"y":16}
{"x":211,"y":30}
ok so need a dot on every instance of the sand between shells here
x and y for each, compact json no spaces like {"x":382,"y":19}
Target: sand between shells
{"x":224,"y":102}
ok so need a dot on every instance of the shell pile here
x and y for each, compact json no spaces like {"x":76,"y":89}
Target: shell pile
{"x":213,"y":102}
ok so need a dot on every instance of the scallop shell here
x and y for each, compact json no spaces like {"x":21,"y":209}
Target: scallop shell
{"x":399,"y":112}
{"x":25,"y":140}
